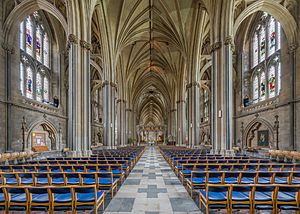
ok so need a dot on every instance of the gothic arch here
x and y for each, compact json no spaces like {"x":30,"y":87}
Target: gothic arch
{"x":276,"y":10}
{"x":22,"y":10}
{"x":254,"y":125}
{"x":48,"y":127}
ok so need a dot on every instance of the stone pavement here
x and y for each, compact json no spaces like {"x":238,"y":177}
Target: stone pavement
{"x":152,"y":188}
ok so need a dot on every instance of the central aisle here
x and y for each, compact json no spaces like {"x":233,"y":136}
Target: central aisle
{"x":151,"y":188}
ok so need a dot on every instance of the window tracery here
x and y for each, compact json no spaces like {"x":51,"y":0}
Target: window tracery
{"x":35,"y":72}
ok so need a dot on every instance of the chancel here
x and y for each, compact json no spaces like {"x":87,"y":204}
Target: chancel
{"x":149,"y":106}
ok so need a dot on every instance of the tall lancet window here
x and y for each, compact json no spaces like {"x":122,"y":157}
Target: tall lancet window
{"x":35,"y":58}
{"x":265,"y":59}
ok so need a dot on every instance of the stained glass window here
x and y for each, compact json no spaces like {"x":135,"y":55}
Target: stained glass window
{"x":38,"y":44}
{"x":262,"y":86}
{"x":272,"y":82}
{"x":22,"y":36}
{"x":39,"y":87}
{"x":262,"y":44}
{"x":255,"y":89}
{"x":279,"y":77}
{"x":29,"y":36}
{"x":266,"y":58}
{"x":46,"y":89}
{"x":21,"y":78}
{"x":255,"y":50}
{"x":272,"y":36}
{"x":35,"y":59}
{"x":29,"y":83}
{"x":46,"y":50}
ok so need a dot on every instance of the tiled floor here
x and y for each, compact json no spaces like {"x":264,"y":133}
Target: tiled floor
{"x":152,"y":188}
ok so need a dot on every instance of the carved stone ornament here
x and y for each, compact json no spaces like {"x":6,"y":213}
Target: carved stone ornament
{"x":85,"y":45}
{"x":215,"y":46}
{"x":292,"y":48}
{"x":8,"y":48}
{"x":73,"y":39}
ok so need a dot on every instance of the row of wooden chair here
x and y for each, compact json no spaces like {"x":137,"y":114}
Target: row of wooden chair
{"x":250,"y":197}
{"x":51,"y":198}
{"x":198,"y":180}
{"x":103,"y":180}
{"x":186,"y":169}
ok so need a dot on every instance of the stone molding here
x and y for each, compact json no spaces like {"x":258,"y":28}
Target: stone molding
{"x":106,"y":82}
{"x":292,"y":48}
{"x":85,"y":45}
{"x":180,"y":101}
{"x":121,"y":100}
{"x":73,"y":39}
{"x":215,"y":46}
{"x":173,"y":110}
{"x":8,"y":48}
{"x":128,"y":109}
{"x":193,"y":84}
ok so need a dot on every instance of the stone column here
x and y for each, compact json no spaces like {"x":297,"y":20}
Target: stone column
{"x":121,"y":122}
{"x":174,"y":122}
{"x":221,"y":120}
{"x":193,"y":90}
{"x":8,"y":52}
{"x":180,"y":122}
{"x":292,"y":52}
{"x":79,"y":95}
{"x":129,"y":125}
{"x":109,"y":91}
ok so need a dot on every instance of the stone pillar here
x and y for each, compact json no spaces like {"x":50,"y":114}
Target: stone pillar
{"x":8,"y":52}
{"x":180,"y":122}
{"x":174,"y":122}
{"x":109,"y":91}
{"x":79,"y":95}
{"x":193,"y":90}
{"x":222,"y":121}
{"x":292,"y":52}
{"x":129,"y":125}
{"x":122,"y":123}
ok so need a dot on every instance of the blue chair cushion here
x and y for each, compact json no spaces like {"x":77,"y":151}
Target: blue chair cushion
{"x":117,"y":171}
{"x":247,"y":180}
{"x":214,"y":196}
{"x":2,"y":197}
{"x":295,"y":181}
{"x":19,"y":198}
{"x":240,"y":196}
{"x":88,"y":181}
{"x":62,"y":197}
{"x":11,"y":181}
{"x":231,"y":180}
{"x":73,"y":181}
{"x":88,"y":197}
{"x":263,"y":196}
{"x":58,"y":181}
{"x":264,"y":180}
{"x":40,"y":198}
{"x":286,"y":196}
{"x":187,"y":171}
{"x":42,"y":180}
{"x":105,"y":181}
{"x":198,"y":180}
{"x":214,"y":180}
{"x":281,"y":180}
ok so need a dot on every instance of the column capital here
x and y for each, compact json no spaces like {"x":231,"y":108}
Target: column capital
{"x":229,"y":42}
{"x":180,"y":101}
{"x":121,"y":100}
{"x":85,"y":45}
{"x":215,"y":46}
{"x":193,"y":84}
{"x":72,"y":38}
{"x":106,"y":83}
{"x":173,"y":110}
{"x":292,"y":48}
{"x":128,"y":109}
{"x":10,"y":49}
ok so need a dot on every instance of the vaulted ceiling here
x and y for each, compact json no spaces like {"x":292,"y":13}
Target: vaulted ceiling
{"x":151,"y":40}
